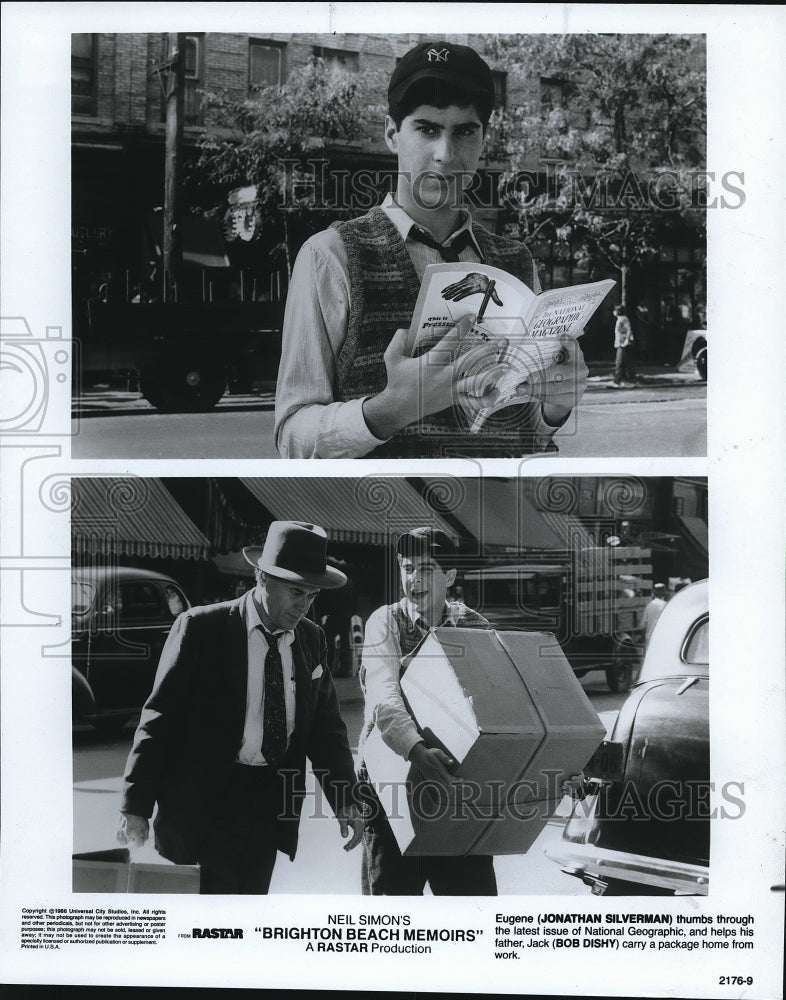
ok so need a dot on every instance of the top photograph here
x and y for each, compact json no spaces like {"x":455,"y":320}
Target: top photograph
{"x":389,"y":246}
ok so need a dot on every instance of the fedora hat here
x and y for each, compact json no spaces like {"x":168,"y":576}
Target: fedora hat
{"x":296,"y":552}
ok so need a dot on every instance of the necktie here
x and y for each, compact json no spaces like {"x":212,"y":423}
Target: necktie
{"x":274,"y":715}
{"x":449,"y":254}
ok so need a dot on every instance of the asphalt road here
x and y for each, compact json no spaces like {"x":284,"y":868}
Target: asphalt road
{"x":99,"y":762}
{"x":664,"y":417}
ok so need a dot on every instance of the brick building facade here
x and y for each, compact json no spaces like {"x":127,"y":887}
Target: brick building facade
{"x":118,"y":155}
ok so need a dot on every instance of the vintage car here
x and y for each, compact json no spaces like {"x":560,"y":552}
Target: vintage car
{"x":643,"y":825}
{"x":694,"y":352}
{"x":120,"y":618}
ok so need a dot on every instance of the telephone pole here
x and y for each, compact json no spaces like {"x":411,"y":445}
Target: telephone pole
{"x":174,"y":94}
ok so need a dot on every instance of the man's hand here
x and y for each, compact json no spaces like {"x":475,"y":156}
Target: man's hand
{"x":132,"y":830}
{"x":554,"y":373}
{"x":433,"y":764}
{"x":573,"y":786}
{"x":350,"y":821}
{"x":416,"y":387}
{"x":471,"y":284}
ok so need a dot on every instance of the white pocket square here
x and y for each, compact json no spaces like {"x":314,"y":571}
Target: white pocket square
{"x":317,"y":672}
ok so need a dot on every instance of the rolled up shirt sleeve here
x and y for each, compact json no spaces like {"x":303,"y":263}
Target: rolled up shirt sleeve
{"x":309,"y":423}
{"x":381,"y":668}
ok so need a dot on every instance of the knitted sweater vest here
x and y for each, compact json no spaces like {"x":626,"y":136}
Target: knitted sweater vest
{"x":384,"y":288}
{"x":410,"y":634}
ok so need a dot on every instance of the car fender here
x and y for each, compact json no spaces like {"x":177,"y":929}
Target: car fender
{"x":83,"y":703}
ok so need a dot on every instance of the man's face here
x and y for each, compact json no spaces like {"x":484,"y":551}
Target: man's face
{"x":285,"y":603}
{"x":438,"y":151}
{"x":425,"y":585}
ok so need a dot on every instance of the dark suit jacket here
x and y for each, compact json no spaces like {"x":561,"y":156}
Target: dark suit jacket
{"x":192,"y":725}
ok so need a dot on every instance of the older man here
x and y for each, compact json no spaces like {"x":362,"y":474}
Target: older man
{"x":242,"y":696}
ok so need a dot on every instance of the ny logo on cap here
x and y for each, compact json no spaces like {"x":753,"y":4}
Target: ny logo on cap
{"x":438,"y":56}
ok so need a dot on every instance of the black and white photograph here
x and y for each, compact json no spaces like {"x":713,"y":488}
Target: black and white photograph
{"x":440,"y":722}
{"x":540,"y":600}
{"x":285,"y":195}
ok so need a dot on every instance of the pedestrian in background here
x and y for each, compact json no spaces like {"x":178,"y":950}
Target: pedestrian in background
{"x":624,"y":375}
{"x":660,"y":596}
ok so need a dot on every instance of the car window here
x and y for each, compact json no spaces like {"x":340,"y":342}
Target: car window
{"x":142,"y":601}
{"x":175,"y":601}
{"x":697,"y":644}
{"x":82,"y":597}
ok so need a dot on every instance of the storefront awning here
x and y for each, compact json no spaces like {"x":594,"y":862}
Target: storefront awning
{"x":131,"y":517}
{"x":694,"y":531}
{"x":498,"y":513}
{"x":368,"y":510}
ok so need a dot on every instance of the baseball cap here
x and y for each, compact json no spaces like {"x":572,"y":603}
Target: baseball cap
{"x":446,"y":63}
{"x":429,"y":542}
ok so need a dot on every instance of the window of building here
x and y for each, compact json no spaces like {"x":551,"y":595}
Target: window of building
{"x":192,"y":102}
{"x":337,"y":60}
{"x":265,"y":64}
{"x":552,"y":94}
{"x":193,"y":72}
{"x":500,"y":89}
{"x":83,"y":74}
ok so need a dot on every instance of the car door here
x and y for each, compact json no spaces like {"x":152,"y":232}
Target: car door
{"x":137,"y":618}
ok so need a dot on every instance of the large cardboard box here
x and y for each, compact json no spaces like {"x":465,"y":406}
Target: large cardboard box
{"x":508,"y":708}
{"x":115,"y":871}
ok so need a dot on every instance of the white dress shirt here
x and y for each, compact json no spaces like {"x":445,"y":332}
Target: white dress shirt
{"x":250,"y":751}
{"x":381,"y":670}
{"x":309,"y":423}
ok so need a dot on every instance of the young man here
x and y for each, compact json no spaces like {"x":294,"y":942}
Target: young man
{"x":427,"y":566}
{"x":346,"y":389}
{"x":241,"y":697}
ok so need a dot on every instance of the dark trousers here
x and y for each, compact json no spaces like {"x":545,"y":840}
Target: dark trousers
{"x":386,"y":872}
{"x":238,"y":853}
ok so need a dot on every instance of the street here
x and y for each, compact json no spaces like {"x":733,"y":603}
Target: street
{"x":99,"y":762}
{"x":664,"y":416}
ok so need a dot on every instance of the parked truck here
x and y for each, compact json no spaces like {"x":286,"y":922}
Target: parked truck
{"x":217,"y":329}
{"x":592,"y":600}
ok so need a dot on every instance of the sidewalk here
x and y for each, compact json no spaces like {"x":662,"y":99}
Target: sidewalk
{"x":601,"y":376}
{"x":105,"y":400}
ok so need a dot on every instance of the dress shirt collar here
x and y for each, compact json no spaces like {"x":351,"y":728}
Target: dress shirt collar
{"x":404,"y":223}
{"x":450,"y":614}
{"x":252,"y":619}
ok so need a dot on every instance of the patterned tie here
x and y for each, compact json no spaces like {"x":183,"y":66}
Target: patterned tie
{"x":274,"y":716}
{"x":449,"y":254}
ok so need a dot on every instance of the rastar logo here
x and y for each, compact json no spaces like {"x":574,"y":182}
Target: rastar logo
{"x":438,"y":56}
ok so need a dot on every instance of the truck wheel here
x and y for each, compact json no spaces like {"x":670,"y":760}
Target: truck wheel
{"x":619,"y":677}
{"x":619,"y":674}
{"x":150,"y":389}
{"x":186,"y":384}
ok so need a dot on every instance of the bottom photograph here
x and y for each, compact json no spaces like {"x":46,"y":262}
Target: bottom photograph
{"x":391,"y":685}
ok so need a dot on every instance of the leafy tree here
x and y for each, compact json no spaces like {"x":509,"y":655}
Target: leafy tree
{"x":272,"y":134}
{"x":620,"y":122}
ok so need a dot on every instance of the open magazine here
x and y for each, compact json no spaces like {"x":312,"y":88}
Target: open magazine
{"x":516,"y":333}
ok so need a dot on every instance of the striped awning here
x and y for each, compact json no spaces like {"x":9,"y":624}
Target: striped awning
{"x":370,"y":510}
{"x":500,"y":515}
{"x":131,"y":516}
